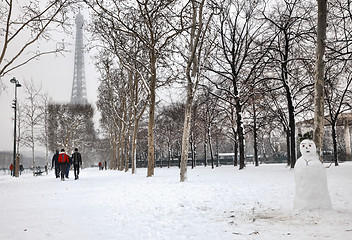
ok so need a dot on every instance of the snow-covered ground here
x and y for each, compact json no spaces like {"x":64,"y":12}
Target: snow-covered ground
{"x":221,"y":203}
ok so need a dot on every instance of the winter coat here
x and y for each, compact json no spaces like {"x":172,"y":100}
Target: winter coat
{"x":55,"y":161}
{"x":76,"y":158}
{"x":64,"y":158}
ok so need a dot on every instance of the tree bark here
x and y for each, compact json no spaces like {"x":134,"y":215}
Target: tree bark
{"x":210,"y":146}
{"x":240,"y":130}
{"x":205,"y":150}
{"x":186,"y":131}
{"x":334,"y":141}
{"x":255,"y":136}
{"x":319,"y":78}
{"x":151,"y":147}
{"x":288,"y":145}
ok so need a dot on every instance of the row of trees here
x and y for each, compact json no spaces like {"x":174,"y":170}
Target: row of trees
{"x":32,"y":120}
{"x":256,"y":57}
{"x":43,"y":123}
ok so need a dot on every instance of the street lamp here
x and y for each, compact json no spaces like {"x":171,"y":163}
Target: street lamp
{"x":14,"y":106}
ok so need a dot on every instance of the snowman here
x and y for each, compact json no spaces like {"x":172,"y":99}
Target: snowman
{"x":310,"y":179}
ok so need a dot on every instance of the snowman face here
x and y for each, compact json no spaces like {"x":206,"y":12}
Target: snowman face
{"x":308,"y":148}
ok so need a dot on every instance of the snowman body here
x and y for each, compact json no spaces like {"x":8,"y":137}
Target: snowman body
{"x":311,"y":190}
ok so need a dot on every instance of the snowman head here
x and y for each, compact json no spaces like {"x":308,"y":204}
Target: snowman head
{"x":308,"y":148}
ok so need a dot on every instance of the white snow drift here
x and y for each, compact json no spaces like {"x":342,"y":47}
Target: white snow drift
{"x":223,"y":203}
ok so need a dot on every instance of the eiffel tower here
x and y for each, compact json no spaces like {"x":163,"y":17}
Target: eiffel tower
{"x":79,"y":92}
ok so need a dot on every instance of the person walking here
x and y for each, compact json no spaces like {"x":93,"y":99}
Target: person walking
{"x":11,"y":169}
{"x":77,"y":162}
{"x":21,"y":169}
{"x":63,"y":161}
{"x":55,"y":162}
{"x":68,"y":166}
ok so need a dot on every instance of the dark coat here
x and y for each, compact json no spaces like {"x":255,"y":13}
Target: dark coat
{"x":76,"y":158}
{"x":55,"y":159}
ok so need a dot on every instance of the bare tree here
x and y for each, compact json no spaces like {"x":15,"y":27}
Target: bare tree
{"x":109,"y":104}
{"x":239,"y":59}
{"x":44,"y":136}
{"x":153,"y":25}
{"x":122,"y":102}
{"x":209,"y":117}
{"x":169,"y":125}
{"x":71,"y":126}
{"x":32,"y":117}
{"x":336,"y":93}
{"x":338,"y":76}
{"x":290,"y":59}
{"x":199,"y":24}
{"x":25,"y":24}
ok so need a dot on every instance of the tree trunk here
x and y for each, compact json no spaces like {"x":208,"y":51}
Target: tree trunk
{"x":123,"y":147}
{"x":47,"y":159}
{"x":205,"y":146}
{"x":291,"y":109}
{"x":168,"y":153}
{"x":33,"y":161}
{"x":255,"y":144}
{"x":115,"y":151}
{"x":217,"y":152}
{"x":192,"y":150}
{"x":292,"y":123}
{"x":255,"y":136}
{"x":194,"y":154}
{"x":319,"y":78}
{"x":235,"y":151}
{"x":334,"y":141}
{"x":185,"y":135}
{"x":151,"y":147}
{"x":288,"y":145}
{"x":210,"y":147}
{"x":134,"y":147}
{"x":119,"y":147}
{"x":240,"y":133}
{"x":128,"y":151}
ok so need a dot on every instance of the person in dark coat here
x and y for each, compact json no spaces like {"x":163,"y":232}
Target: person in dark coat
{"x":63,"y":161}
{"x":77,"y":162}
{"x":21,"y":169}
{"x":55,"y":162}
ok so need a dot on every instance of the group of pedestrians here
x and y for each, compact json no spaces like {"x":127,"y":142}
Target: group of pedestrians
{"x":12,"y":169}
{"x":102,"y":165}
{"x":63,"y":162}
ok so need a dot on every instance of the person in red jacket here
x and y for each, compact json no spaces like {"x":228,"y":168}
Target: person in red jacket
{"x":63,"y":161}
{"x":11,"y":168}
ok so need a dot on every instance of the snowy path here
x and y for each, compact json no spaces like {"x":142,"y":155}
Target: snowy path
{"x":223,"y":203}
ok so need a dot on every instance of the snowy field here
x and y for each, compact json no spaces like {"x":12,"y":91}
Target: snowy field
{"x":223,"y":203}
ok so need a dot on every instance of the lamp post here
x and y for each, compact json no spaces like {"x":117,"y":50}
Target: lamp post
{"x":14,"y":106}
